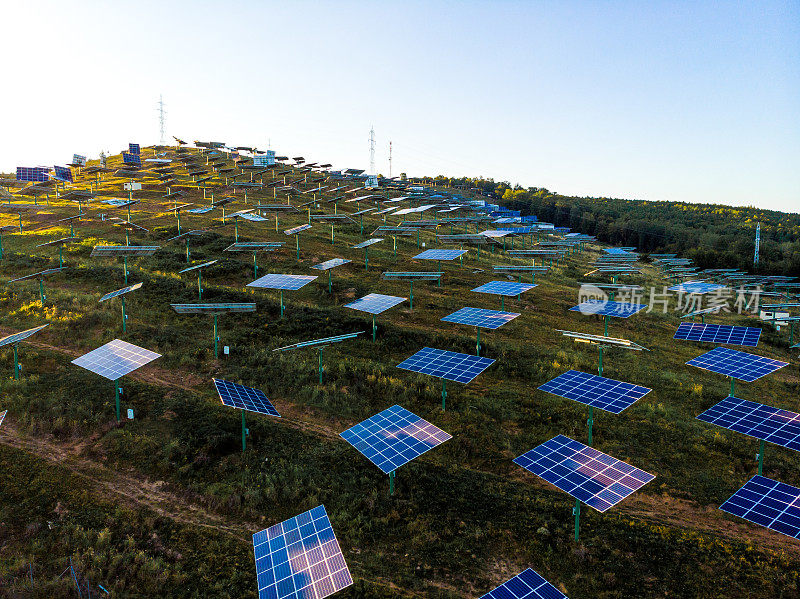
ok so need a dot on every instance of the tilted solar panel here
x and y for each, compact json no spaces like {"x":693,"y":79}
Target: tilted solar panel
{"x":375,"y":303}
{"x":63,"y":173}
{"x":453,"y":366}
{"x":737,"y":364}
{"x":332,"y":263}
{"x":128,"y":158}
{"x":123,"y":250}
{"x":21,"y":336}
{"x":504,"y":288}
{"x":440,"y":255}
{"x":279,"y":281}
{"x":367,"y":243}
{"x":300,"y":558}
{"x":781,"y":427}
{"x":134,"y":149}
{"x":596,"y":391}
{"x":196,"y":266}
{"x":525,"y":585}
{"x":115,"y":359}
{"x":480,"y":317}
{"x":591,"y":476}
{"x":718,"y":333}
{"x":213,"y":308}
{"x":698,"y":287}
{"x":769,"y":503}
{"x":238,"y":396}
{"x":608,"y":308}
{"x":296,"y":230}
{"x":122,"y":291}
{"x":394,"y":437}
{"x":36,"y":173}
{"x":319,"y":342}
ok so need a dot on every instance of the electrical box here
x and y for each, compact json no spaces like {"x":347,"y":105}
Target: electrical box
{"x":132,"y":186}
{"x":226,"y":350}
{"x":130,"y":414}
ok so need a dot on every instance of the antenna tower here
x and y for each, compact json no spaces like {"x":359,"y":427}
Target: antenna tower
{"x":390,"y":160}
{"x":371,"y":150}
{"x":161,"y":120}
{"x":758,"y":242}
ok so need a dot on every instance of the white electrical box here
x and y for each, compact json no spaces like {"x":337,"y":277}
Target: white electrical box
{"x":130,"y":414}
{"x":132,"y":186}
{"x":226,"y":350}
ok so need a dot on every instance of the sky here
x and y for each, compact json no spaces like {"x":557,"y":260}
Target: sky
{"x":680,"y":101}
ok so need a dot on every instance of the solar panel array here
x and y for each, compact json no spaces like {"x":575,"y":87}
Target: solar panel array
{"x":769,"y":503}
{"x":134,"y":149}
{"x":131,"y":159}
{"x":21,"y":336}
{"x":453,"y":366}
{"x":122,"y":291}
{"x":525,"y":585}
{"x":596,"y":391}
{"x":213,"y":308}
{"x":608,"y":308}
{"x":279,"y":281}
{"x":63,"y":173}
{"x":781,"y":427}
{"x":300,"y":558}
{"x":737,"y":364}
{"x":591,"y":476}
{"x":504,"y":288}
{"x":718,"y":333}
{"x":699,"y":287}
{"x":375,"y":303}
{"x":35,"y":173}
{"x":332,"y":263}
{"x":115,"y":359}
{"x":238,"y":396}
{"x":440,"y":255}
{"x":394,"y":437}
{"x":480,"y":317}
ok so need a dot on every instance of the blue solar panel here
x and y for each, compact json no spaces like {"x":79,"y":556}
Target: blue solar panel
{"x":235,"y":395}
{"x":480,"y":317}
{"x":332,"y":263}
{"x":394,"y":437}
{"x":63,"y":173}
{"x":300,"y":558}
{"x":769,"y":503}
{"x":278,"y":281}
{"x":781,"y":427}
{"x":440,"y":255}
{"x":737,"y":364}
{"x":449,"y":365}
{"x":596,"y":391}
{"x":718,"y":333}
{"x":525,"y":585}
{"x":589,"y":475}
{"x":118,"y":292}
{"x":696,"y":287}
{"x":3,"y":416}
{"x":375,"y":303}
{"x":134,"y":149}
{"x":131,"y":158}
{"x":503,"y":288}
{"x":36,"y":173}
{"x":608,"y":308}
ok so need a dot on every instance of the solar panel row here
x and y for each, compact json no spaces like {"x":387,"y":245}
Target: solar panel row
{"x":717,"y":333}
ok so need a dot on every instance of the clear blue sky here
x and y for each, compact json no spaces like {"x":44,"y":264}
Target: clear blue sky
{"x":688,"y":101}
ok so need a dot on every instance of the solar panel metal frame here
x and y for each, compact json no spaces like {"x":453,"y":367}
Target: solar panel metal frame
{"x":119,"y":292}
{"x":332,"y":263}
{"x":394,"y":437}
{"x":216,"y":308}
{"x":781,"y":427}
{"x":251,"y":246}
{"x":718,"y":333}
{"x":375,"y":303}
{"x":740,"y":365}
{"x":768,"y":503}
{"x":249,"y":399}
{"x":480,"y":317}
{"x":282,"y":281}
{"x":442,"y":255}
{"x":602,"y":340}
{"x":528,"y":584}
{"x":37,"y":275}
{"x":298,"y":550}
{"x":412,"y":276}
{"x":566,"y":464}
{"x":595,"y":391}
{"x":115,"y":359}
{"x":452,"y":366}
{"x":608,"y":308}
{"x":14,"y":338}
{"x":367,"y":243}
{"x":297,"y":230}
{"x":320,"y":342}
{"x":103,"y":251}
{"x":696,"y":287}
{"x":506,"y":288}
{"x":196,"y":266}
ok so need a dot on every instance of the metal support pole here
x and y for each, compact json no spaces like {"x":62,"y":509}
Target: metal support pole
{"x":366,"y":258}
{"x":255,"y":266}
{"x":577,"y":512}
{"x":188,"y":259}
{"x":16,"y":364}
{"x":391,"y":483}
{"x":216,"y":338}
{"x":244,"y":432}
{"x":125,"y":267}
{"x":116,"y":393}
{"x":124,"y":318}
{"x":760,"y":457}
{"x":590,"y":423}
{"x":478,"y":342}
{"x":61,"y":256}
{"x":281,"y":303}
{"x":330,"y":283}
{"x":412,"y":295}
{"x":605,"y":319}
{"x":444,"y":393}
{"x":236,"y":229}
{"x":332,"y":236}
{"x":502,"y":302}
{"x":733,"y":383}
{"x":374,"y":328}
{"x":297,"y":241}
{"x":600,"y":362}
{"x":320,"y":365}
{"x":439,"y":269}
{"x":200,"y":283}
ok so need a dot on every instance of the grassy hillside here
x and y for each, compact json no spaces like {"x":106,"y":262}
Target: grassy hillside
{"x":165,"y":504}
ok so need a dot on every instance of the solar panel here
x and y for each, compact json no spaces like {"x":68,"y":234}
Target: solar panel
{"x":122,"y":291}
{"x":79,"y":160}
{"x":39,"y":275}
{"x":300,"y":558}
{"x":128,"y":158}
{"x":440,"y":255}
{"x":279,"y":281}
{"x":238,"y":396}
{"x":203,"y":210}
{"x":123,"y":250}
{"x":737,"y":364}
{"x":394,"y":437}
{"x":718,"y":333}
{"x":504,"y":288}
{"x":320,"y":342}
{"x":213,"y":308}
{"x":480,"y":317}
{"x":591,"y":476}
{"x":425,"y":275}
{"x":781,"y":427}
{"x":115,"y":359}
{"x":596,"y":391}
{"x":134,"y":149}
{"x":608,"y":308}
{"x":332,"y":263}
{"x":21,"y":336}
{"x":196,"y":266}
{"x":251,"y":246}
{"x":525,"y":585}
{"x":602,"y":340}
{"x":63,"y":173}
{"x":367,"y":243}
{"x":375,"y":303}
{"x":36,"y":173}
{"x":696,"y":287}
{"x":296,"y":230}
{"x":3,"y":416}
{"x":449,"y":365}
{"x":769,"y":503}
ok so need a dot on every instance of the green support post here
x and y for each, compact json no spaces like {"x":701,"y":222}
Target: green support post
{"x":444,"y":393}
{"x":125,"y":267}
{"x":255,"y":266}
{"x":330,"y":282}
{"x":216,"y":339}
{"x":236,"y":229}
{"x":61,"y":256}
{"x":362,"y":225}
{"x":16,"y":364}
{"x":577,"y":512}
{"x":590,"y":424}
{"x":297,"y":241}
{"x":200,"y":283}
{"x":478,"y":342}
{"x":733,"y":386}
{"x":320,"y":365}
{"x":124,"y":318}
{"x":395,"y":246}
{"x":600,"y":362}
{"x":179,"y":222}
{"x":412,"y":295}
{"x":366,"y":258}
{"x":281,"y":303}
{"x":244,"y":432}
{"x":41,"y":290}
{"x":605,"y":320}
{"x":188,"y":259}
{"x":391,"y":483}
{"x":502,"y":302}
{"x":374,"y":328}
{"x":332,"y":234}
{"x":439,"y":269}
{"x":760,"y":457}
{"x":116,"y":393}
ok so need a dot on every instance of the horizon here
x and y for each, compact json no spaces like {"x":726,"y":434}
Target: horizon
{"x":664,"y":102}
